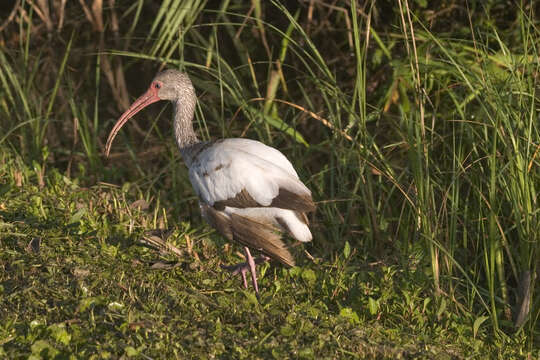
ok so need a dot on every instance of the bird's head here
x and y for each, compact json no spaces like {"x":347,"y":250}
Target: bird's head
{"x":167,"y":85}
{"x":170,"y":85}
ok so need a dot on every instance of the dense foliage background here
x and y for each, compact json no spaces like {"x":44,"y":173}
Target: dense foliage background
{"x":414,"y":123}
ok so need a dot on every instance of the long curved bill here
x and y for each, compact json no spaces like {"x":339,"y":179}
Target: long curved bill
{"x":149,"y":97}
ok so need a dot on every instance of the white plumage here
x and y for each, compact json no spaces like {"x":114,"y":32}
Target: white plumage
{"x":296,"y":228}
{"x":227,"y":167}
{"x":222,"y":170}
{"x":248,"y":191}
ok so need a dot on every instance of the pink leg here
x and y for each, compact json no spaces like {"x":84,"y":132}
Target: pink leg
{"x":243,"y":273}
{"x":242,"y":268}
{"x":252,"y":269}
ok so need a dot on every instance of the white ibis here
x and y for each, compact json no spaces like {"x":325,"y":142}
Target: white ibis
{"x":249,"y":192}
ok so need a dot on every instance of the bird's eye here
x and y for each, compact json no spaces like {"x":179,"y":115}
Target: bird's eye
{"x":157,"y":85}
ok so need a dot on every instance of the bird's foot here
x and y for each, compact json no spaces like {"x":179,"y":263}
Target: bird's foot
{"x":236,"y":269}
{"x":243,"y":267}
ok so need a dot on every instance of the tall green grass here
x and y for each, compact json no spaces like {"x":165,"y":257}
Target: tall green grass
{"x":421,"y":146}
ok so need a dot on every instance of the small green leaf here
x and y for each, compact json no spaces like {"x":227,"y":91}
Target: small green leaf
{"x":77,"y":216}
{"x":442,"y":308}
{"x":309,"y":276}
{"x":131,"y":351}
{"x":306,"y":353}
{"x":313,"y":312}
{"x":287,"y":330}
{"x":373,"y":306}
{"x":347,"y":250}
{"x":110,"y":250}
{"x":59,"y":333}
{"x":277,"y":285}
{"x":87,"y":302}
{"x":426,"y":303}
{"x":294,"y":271}
{"x":350,"y":315}
{"x":251,"y":298}
{"x":44,"y":349}
{"x":477,"y":323}
{"x":125,"y":187}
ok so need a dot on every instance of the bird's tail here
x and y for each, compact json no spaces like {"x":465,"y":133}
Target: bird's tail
{"x":261,"y":236}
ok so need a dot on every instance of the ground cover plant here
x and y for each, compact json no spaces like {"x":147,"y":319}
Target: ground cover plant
{"x":415,"y":125}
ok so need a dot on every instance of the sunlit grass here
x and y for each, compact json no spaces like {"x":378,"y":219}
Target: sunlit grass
{"x":77,"y":278}
{"x":421,"y":149}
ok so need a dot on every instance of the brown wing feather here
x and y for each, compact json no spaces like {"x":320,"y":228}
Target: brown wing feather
{"x":218,"y":221}
{"x":285,"y":200}
{"x":251,"y":233}
{"x":261,"y":236}
{"x":242,"y":200}
{"x":289,"y":200}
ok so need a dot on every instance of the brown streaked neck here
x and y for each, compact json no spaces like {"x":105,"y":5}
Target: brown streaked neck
{"x":184,"y":109}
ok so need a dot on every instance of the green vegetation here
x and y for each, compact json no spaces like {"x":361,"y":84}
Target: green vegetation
{"x":414,"y":124}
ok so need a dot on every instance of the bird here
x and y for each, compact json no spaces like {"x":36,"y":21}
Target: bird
{"x":248,"y":191}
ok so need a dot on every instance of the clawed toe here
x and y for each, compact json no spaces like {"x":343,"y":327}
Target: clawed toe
{"x":236,"y":269}
{"x":243,"y":267}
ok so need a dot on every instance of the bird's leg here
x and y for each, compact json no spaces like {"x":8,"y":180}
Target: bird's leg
{"x":243,"y":267}
{"x":252,"y":270}
{"x":243,"y":273}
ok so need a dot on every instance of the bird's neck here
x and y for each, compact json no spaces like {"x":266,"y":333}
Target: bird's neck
{"x":183,"y":123}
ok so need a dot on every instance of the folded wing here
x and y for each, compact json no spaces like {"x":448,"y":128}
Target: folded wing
{"x":248,"y":191}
